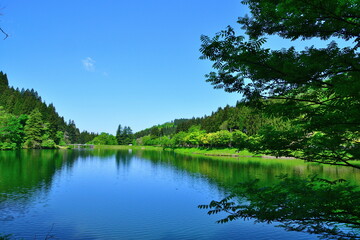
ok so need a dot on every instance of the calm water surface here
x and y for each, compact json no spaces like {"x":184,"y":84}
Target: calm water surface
{"x":118,"y":194}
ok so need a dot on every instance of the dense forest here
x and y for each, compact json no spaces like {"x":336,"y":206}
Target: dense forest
{"x":238,"y":126}
{"x":28,"y":122}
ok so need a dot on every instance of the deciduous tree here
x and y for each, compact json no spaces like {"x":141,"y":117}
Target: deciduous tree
{"x":319,"y":88}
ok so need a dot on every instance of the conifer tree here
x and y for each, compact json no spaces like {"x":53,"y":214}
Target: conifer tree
{"x":127,"y":135}
{"x":34,"y":129}
{"x":4,"y":83}
{"x":118,"y":134}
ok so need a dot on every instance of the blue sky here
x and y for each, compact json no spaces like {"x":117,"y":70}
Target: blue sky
{"x":109,"y":62}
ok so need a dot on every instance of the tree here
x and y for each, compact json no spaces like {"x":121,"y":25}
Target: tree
{"x":20,"y":103}
{"x":4,"y":83}
{"x":11,"y":130}
{"x":119,"y":134}
{"x":124,"y":135}
{"x":193,"y":137}
{"x":72,"y":132}
{"x":239,"y":139}
{"x":84,"y":137}
{"x":37,"y":134}
{"x":127,"y":135}
{"x":3,"y":32}
{"x":47,"y":142}
{"x":318,"y":88}
{"x":60,"y":138}
{"x":315,"y":91}
{"x":6,"y":35}
{"x":155,"y":132}
{"x":104,"y":139}
{"x":24,"y":101}
{"x":34,"y":129}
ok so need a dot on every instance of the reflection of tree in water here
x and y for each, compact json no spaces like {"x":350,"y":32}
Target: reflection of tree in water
{"x":123,"y":158}
{"x":232,"y":171}
{"x":298,"y":202}
{"x":28,"y":175}
{"x":24,"y":172}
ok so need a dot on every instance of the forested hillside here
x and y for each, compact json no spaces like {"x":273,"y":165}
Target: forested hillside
{"x":236,"y":126}
{"x":27,"y":121}
{"x":167,"y":128}
{"x":240,"y":117}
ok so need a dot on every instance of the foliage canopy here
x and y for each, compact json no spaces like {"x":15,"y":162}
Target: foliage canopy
{"x":317,"y":88}
{"x":317,"y":91}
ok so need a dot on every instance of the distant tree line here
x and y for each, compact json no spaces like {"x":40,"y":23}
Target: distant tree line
{"x":104,"y":139}
{"x":244,"y":117}
{"x":123,"y":136}
{"x":161,"y":130}
{"x":238,"y":126}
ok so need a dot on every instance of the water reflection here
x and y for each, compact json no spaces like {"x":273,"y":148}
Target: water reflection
{"x":24,"y":173}
{"x":231,"y":171}
{"x":28,"y":177}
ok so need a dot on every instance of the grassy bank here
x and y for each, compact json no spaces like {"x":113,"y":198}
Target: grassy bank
{"x":127,"y":147}
{"x":223,"y":152}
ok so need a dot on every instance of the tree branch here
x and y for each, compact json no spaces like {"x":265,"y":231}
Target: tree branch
{"x":296,"y":99}
{"x":6,"y":35}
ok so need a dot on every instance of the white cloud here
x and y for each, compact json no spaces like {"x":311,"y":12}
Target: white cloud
{"x":89,"y":64}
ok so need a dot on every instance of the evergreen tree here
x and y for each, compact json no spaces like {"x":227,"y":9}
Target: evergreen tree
{"x":19,"y":103}
{"x":119,"y":135}
{"x":72,"y":132}
{"x":86,"y":136}
{"x":4,"y":83}
{"x":124,"y":135}
{"x":34,"y":130}
{"x":128,"y":135}
{"x":155,"y":132}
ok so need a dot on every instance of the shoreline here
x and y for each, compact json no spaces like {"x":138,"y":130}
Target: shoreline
{"x":214,"y":152}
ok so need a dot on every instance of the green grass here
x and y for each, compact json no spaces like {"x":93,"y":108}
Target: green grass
{"x":127,"y":147}
{"x":225,"y":152}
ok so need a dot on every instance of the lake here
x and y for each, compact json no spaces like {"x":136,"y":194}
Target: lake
{"x":134,"y":194}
